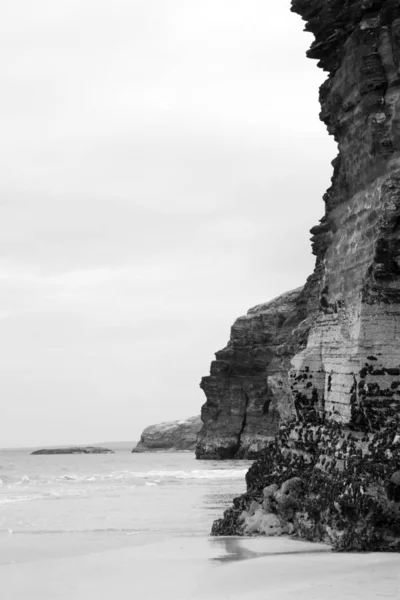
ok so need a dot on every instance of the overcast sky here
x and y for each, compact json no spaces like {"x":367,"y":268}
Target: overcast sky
{"x":162,"y":162}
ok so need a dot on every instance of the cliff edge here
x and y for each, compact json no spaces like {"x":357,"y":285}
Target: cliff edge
{"x":333,"y":472}
{"x":248,"y":389}
{"x":170,"y":436}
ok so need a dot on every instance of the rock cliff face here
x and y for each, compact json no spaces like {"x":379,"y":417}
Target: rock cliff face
{"x":333,"y":472}
{"x":248,"y":390}
{"x":353,"y":298}
{"x":352,"y":357}
{"x":171,"y":436}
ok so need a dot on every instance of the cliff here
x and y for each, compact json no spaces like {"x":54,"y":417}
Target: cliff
{"x":353,"y":350}
{"x":248,"y":390}
{"x":333,"y":473}
{"x":171,"y":436}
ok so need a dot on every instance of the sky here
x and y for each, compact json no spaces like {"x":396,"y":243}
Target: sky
{"x":162,"y":162}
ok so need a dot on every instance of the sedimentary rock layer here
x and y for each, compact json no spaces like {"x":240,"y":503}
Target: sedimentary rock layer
{"x":350,"y":369}
{"x":248,"y":390}
{"x":170,"y":436}
{"x":333,"y":473}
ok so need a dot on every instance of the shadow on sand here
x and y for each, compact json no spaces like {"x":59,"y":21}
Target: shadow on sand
{"x":235,"y":550}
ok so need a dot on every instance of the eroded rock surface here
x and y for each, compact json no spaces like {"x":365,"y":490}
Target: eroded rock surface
{"x":343,"y":444}
{"x":248,"y":390}
{"x":323,"y":483}
{"x":170,"y":436}
{"x":352,"y":358}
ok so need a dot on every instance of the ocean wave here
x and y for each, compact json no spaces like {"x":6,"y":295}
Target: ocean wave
{"x":195,"y":474}
{"x":121,"y":477}
{"x":70,"y":477}
{"x":122,"y":530}
{"x":51,"y":495}
{"x":65,"y":494}
{"x":155,"y":476}
{"x":14,"y":499}
{"x":25,"y":480}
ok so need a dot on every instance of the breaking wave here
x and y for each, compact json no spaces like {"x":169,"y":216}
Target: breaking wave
{"x":156,"y":476}
{"x":53,"y":495}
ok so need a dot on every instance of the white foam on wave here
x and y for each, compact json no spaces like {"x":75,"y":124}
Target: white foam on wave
{"x":195,"y":474}
{"x":51,"y":495}
{"x":69,"y":477}
{"x":15,"y":499}
{"x":25,"y":480}
{"x":156,"y":476}
{"x":59,"y":494}
{"x":76,"y":478}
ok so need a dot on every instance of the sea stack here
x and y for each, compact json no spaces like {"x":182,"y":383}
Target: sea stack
{"x":331,"y":472}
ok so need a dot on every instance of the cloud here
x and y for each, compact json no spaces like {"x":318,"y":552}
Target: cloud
{"x":161,"y":164}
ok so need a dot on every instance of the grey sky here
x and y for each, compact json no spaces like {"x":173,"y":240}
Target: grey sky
{"x":162,"y":163}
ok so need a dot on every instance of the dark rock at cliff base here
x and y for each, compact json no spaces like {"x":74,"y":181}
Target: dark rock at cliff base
{"x":344,"y":441}
{"x":75,"y":450}
{"x":248,"y":389}
{"x":171,"y":436}
{"x":323,"y":483}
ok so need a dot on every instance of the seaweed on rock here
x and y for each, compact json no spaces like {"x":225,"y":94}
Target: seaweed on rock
{"x":350,"y":497}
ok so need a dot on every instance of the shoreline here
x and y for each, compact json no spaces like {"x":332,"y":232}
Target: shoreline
{"x":205,"y":567}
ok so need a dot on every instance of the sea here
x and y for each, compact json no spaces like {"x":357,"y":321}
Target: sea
{"x":66,"y":504}
{"x":123,"y":525}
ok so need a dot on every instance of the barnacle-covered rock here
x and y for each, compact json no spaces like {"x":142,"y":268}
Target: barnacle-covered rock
{"x":350,"y":502}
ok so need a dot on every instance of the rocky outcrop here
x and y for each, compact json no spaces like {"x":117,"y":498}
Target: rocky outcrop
{"x":75,"y":450}
{"x":334,"y":469}
{"x":248,"y":390}
{"x":171,"y":436}
{"x":324,"y":483}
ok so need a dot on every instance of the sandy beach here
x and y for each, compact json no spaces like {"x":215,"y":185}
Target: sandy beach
{"x":200,"y":567}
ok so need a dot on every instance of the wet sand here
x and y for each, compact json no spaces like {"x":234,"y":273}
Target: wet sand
{"x":199,"y":568}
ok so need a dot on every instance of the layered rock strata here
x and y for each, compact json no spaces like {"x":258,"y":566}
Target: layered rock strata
{"x":350,"y":368}
{"x":170,"y":436}
{"x":332,"y":473}
{"x":248,"y":389}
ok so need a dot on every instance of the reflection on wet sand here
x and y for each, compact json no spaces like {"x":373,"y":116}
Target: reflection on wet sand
{"x":235,"y":549}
